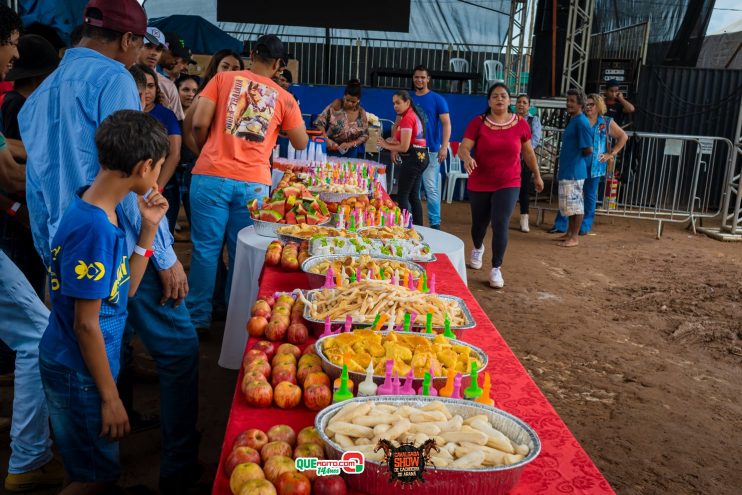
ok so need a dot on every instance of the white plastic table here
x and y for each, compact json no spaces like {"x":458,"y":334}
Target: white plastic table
{"x":249,"y":257}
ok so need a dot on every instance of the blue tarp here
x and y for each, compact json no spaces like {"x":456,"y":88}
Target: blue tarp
{"x":62,"y":16}
{"x":199,"y":35}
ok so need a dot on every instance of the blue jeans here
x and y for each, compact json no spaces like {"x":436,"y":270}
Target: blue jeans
{"x":171,"y":339}
{"x":590,"y":196}
{"x":74,"y":404}
{"x":24,"y":319}
{"x":431,"y":183}
{"x":218,"y":208}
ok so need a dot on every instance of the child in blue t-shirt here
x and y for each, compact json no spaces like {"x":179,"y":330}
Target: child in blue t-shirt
{"x":92,"y":274}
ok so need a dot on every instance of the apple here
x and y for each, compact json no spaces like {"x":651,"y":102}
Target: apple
{"x":244,"y":473}
{"x":261,"y":308}
{"x":260,"y":365}
{"x":277,"y":465}
{"x":269,"y":299}
{"x":258,"y":394}
{"x":282,"y":433}
{"x":316,"y":377}
{"x":252,"y":355}
{"x":309,"y":434}
{"x":289,"y":349}
{"x":298,"y":333}
{"x":287,"y":395}
{"x":250,"y":377}
{"x":317,"y":397}
{"x":276,"y":330}
{"x":281,"y":309}
{"x":269,"y":348}
{"x":280,"y":359}
{"x":293,"y":484}
{"x":282,"y":319}
{"x":305,"y":371}
{"x":309,"y":350}
{"x":275,"y":448}
{"x":311,"y":474}
{"x":329,"y":485}
{"x":253,"y":438}
{"x":256,"y":326}
{"x":240,"y":455}
{"x":281,"y":375}
{"x":297,"y":316}
{"x":285,"y":299}
{"x":258,"y":487}
{"x":309,"y":450}
{"x":308,"y":359}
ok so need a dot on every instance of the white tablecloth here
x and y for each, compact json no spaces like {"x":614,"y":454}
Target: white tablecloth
{"x":249,"y":256}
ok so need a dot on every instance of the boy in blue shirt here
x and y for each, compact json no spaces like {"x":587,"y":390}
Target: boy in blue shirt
{"x":574,"y":157}
{"x":92,"y":275}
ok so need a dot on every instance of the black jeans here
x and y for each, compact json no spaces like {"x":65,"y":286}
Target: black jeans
{"x":525,"y":182}
{"x":492,"y":208}
{"x":414,"y":162}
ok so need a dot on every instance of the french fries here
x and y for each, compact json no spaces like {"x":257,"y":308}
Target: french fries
{"x":463,"y":443}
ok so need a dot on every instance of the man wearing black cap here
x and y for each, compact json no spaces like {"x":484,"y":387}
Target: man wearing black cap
{"x":58,"y":124}
{"x":236,"y":125}
{"x":176,"y":59}
{"x":617,"y":105}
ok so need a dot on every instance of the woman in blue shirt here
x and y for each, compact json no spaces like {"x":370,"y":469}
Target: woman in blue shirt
{"x":522,"y":107}
{"x":167,"y":183}
{"x":605,"y":131}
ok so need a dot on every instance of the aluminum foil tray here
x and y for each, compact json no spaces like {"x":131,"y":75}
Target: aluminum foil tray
{"x":440,"y":481}
{"x":316,"y":281}
{"x":333,"y":370}
{"x":431,"y":257}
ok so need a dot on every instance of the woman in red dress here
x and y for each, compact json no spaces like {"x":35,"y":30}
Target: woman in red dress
{"x":497,"y":137}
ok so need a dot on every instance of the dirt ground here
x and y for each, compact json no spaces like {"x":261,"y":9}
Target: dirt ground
{"x":637,"y":342}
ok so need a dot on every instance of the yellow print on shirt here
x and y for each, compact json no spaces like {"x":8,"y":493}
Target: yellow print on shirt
{"x":122,"y":276}
{"x":250,"y":108}
{"x":94,"y":271}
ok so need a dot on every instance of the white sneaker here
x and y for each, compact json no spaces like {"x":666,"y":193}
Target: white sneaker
{"x":475,"y":261}
{"x":524,"y":223}
{"x":496,"y":280}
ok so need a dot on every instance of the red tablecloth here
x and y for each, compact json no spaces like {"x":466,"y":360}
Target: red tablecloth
{"x":562,"y":467}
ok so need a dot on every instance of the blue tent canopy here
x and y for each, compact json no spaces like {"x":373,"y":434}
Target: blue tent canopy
{"x":199,"y":35}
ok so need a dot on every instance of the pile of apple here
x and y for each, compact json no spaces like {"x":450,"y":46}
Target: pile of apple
{"x":278,"y":319}
{"x":285,"y":367}
{"x":263,"y":463}
{"x":288,"y":256}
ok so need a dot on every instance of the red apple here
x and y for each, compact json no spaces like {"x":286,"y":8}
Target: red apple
{"x":282,"y":433}
{"x":259,"y":365}
{"x":287,"y":395}
{"x":258,"y":487}
{"x":281,"y":309}
{"x":297,"y":317}
{"x":285,"y":299}
{"x":308,"y":359}
{"x":276,"y":330}
{"x":259,"y":394}
{"x":298,"y":333}
{"x":256,"y":326}
{"x":252,"y":355}
{"x":281,"y":319}
{"x":240,"y":455}
{"x":309,"y":434}
{"x":269,"y":348}
{"x":329,"y":485}
{"x":253,"y":438}
{"x":289,"y":349}
{"x":243,"y":474}
{"x":280,"y":359}
{"x":261,"y":308}
{"x":317,"y":397}
{"x":305,"y":371}
{"x":269,"y":299}
{"x":293,"y":484}
{"x":310,"y":349}
{"x":311,"y":474}
{"x":309,"y":450}
{"x":275,"y":448}
{"x":316,"y":377}
{"x":281,"y":375}
{"x":277,"y":465}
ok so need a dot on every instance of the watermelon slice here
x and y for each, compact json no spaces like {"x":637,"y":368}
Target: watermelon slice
{"x":300,"y":210}
{"x":301,"y":219}
{"x":270,"y":215}
{"x":290,"y":217}
{"x":292,"y":191}
{"x":323,"y":208}
{"x":313,"y":219}
{"x":279,"y":206}
{"x":306,"y":195}
{"x":253,"y":206}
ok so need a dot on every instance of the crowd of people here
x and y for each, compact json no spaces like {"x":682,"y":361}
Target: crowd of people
{"x":99,"y":150}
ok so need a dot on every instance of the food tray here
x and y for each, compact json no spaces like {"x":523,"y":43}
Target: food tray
{"x":268,"y":229}
{"x":293,"y":238}
{"x":431,"y":255}
{"x":422,"y":238}
{"x":316,"y":281}
{"x":457,"y":330}
{"x":333,"y":370}
{"x":374,"y":479}
{"x":331,"y":197}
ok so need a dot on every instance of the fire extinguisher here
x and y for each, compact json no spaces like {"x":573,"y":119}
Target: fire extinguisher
{"x":611,"y":191}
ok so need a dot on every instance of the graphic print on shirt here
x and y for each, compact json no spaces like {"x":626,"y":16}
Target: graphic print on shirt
{"x":250,"y":108}
{"x":122,"y":277}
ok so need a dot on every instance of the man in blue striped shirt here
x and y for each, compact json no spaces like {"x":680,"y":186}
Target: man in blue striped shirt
{"x":58,"y":123}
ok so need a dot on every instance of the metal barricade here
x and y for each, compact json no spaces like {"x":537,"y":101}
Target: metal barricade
{"x":661,"y":177}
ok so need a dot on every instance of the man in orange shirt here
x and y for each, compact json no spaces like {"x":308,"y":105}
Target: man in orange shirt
{"x":236,"y":124}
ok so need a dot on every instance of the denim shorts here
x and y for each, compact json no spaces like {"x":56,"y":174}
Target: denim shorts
{"x":74,"y":409}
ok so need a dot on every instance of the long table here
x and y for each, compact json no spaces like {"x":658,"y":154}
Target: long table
{"x":563,"y":467}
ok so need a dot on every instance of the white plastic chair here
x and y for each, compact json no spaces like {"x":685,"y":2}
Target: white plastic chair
{"x":493,"y":72}
{"x":455,"y":172}
{"x":460,"y":65}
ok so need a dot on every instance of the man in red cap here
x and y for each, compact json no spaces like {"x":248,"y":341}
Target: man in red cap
{"x":58,"y":124}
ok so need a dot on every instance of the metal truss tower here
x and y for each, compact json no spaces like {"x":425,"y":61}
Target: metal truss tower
{"x":578,"y":44}
{"x":518,"y":29}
